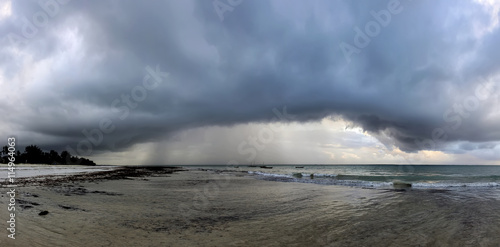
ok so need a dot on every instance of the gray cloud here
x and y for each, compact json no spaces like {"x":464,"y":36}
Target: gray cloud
{"x":265,"y":54}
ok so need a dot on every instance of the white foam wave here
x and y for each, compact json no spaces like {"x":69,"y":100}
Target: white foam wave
{"x":455,"y":185}
{"x":372,"y":184}
{"x":269,"y":174}
{"x":325,"y":175}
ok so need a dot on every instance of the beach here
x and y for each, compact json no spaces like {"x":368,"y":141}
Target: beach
{"x":204,"y":207}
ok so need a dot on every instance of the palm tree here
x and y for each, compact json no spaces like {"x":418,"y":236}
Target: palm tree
{"x":54,"y":157}
{"x":34,"y":154}
{"x":3,"y":153}
{"x":66,"y":157}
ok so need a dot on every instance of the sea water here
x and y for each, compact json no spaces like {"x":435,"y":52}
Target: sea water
{"x":378,"y":176}
{"x":443,"y":205}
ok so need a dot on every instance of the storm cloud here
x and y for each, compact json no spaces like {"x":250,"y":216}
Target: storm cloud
{"x":417,"y":75}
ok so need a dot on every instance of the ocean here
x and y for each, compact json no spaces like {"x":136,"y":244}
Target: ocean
{"x":378,"y":176}
{"x":380,"y":205}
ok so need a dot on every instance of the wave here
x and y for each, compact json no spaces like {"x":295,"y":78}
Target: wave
{"x":269,"y":174}
{"x":362,"y":181}
{"x":455,"y":185}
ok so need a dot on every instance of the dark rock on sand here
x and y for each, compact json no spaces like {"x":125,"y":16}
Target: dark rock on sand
{"x":21,"y":201}
{"x":401,"y":185}
{"x":43,"y":212}
{"x":106,"y":193}
{"x":23,"y":204}
{"x":27,"y":194}
{"x":70,"y":207}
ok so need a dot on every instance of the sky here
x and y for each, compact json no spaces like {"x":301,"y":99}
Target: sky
{"x":250,"y":81}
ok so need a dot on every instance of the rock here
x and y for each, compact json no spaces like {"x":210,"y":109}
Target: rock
{"x":43,"y":212}
{"x":297,"y":175}
{"x":401,"y":185}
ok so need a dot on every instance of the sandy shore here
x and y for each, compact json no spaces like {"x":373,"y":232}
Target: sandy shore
{"x":32,"y":170}
{"x":206,"y":208}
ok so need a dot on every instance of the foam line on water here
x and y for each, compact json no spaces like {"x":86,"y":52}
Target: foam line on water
{"x":331,"y":179}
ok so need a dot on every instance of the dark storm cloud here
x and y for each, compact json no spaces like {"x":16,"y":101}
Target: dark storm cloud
{"x":404,"y":84}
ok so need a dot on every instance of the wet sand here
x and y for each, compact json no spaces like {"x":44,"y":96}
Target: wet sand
{"x":207,"y":208}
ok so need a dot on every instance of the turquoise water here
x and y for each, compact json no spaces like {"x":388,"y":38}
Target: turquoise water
{"x":419,"y":176}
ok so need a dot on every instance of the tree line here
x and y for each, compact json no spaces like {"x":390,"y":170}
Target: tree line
{"x":34,"y":155}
